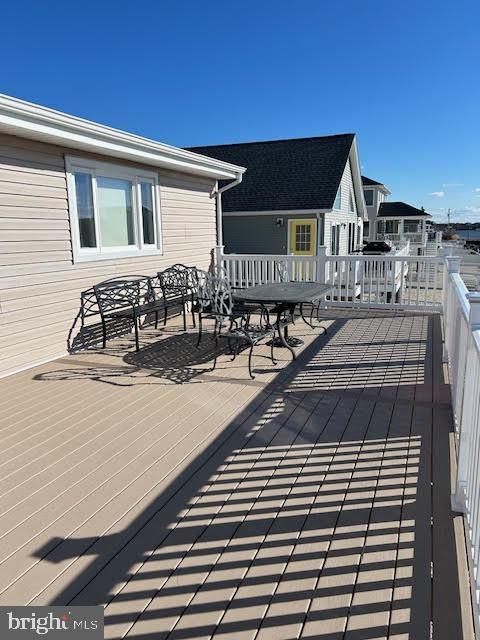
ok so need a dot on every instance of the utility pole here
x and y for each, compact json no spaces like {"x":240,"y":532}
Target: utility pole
{"x":448,"y":217}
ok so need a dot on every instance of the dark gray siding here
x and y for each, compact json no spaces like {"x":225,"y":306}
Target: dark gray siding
{"x":259,"y":234}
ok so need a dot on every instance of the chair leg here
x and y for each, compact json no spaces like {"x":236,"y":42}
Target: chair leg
{"x":271,"y":350}
{"x":184,"y":316}
{"x":104,"y":332}
{"x":199,"y":329}
{"x":135,"y":324}
{"x":192,"y":302}
{"x":250,"y":363}
{"x":156,"y":319}
{"x":165,"y":316}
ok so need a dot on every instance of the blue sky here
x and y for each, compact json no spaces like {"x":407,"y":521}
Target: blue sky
{"x":403,"y":75}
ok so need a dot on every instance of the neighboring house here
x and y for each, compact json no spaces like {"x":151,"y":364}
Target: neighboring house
{"x":399,"y":222}
{"x":80,"y":203}
{"x":396,"y":221}
{"x":297,"y":194}
{"x":375,"y":193}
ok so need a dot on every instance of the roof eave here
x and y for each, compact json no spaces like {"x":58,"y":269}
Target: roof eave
{"x":28,"y":120}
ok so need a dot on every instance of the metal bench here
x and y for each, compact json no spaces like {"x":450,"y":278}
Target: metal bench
{"x":128,"y":297}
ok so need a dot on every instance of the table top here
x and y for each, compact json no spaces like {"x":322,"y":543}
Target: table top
{"x":286,"y":292}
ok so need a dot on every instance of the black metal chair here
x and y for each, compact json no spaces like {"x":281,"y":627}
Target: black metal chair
{"x":174,"y":283}
{"x":128,"y":297}
{"x":236,"y":326}
{"x":207,"y":283}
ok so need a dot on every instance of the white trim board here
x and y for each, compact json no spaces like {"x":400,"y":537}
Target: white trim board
{"x":32,"y":121}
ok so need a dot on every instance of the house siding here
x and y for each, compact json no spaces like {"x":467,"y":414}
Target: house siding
{"x":341,"y":216}
{"x":259,"y":233}
{"x":39,"y":284}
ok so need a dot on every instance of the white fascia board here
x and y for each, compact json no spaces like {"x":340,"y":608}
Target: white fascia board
{"x":35,"y":122}
{"x":279,"y":213}
{"x":357,"y":181}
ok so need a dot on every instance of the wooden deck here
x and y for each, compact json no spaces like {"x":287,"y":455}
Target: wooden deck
{"x":312,"y":502}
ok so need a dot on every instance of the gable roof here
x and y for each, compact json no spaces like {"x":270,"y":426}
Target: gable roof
{"x":368,"y":182}
{"x":401,"y":210}
{"x":300,"y":173}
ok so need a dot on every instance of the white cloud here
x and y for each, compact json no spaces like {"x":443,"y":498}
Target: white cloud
{"x":437,"y":194}
{"x":452,"y":184}
{"x":476,"y":190}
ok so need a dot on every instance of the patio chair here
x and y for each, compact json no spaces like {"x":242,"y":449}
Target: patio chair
{"x":236,"y":326}
{"x":174,"y":283}
{"x":207,"y":284}
{"x":129,"y":297}
{"x":187,"y":278}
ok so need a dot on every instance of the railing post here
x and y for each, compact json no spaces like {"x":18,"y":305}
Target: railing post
{"x":321,"y":260}
{"x":451,"y":265}
{"x":474,"y":300}
{"x":218,"y":251}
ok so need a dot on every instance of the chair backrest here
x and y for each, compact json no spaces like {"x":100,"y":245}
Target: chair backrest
{"x":188,"y":273}
{"x":113,"y":295}
{"x":174,"y":281}
{"x":282,"y":271}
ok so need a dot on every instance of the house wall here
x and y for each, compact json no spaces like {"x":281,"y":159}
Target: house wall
{"x":372,"y":211}
{"x":39,"y":284}
{"x":259,"y":233}
{"x":342,"y":216}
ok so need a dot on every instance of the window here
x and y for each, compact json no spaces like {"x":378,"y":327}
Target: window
{"x":303,"y":237}
{"x":338,"y":199}
{"x":335,"y":240}
{"x":351,"y":204}
{"x":352,"y":236}
{"x":368,"y":193}
{"x":411,"y":226}
{"x":114,"y":209}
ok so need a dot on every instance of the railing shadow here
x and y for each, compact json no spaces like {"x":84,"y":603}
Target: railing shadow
{"x":310,"y":511}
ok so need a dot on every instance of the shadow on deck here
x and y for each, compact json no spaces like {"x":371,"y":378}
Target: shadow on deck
{"x":320,"y":509}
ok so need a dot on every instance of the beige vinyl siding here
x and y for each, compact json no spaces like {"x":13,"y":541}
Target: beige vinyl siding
{"x":39,"y":284}
{"x":343,"y":216}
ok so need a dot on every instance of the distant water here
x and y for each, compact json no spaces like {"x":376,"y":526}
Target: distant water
{"x":469,"y":234}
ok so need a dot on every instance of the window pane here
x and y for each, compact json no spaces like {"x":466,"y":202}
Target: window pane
{"x":86,"y":219}
{"x":115,"y":212}
{"x":147,"y":213}
{"x":351,"y":204}
{"x":368,"y":197}
{"x":338,"y":199}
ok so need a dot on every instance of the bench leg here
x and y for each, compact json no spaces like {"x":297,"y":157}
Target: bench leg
{"x":104,"y":332}
{"x":135,"y":324}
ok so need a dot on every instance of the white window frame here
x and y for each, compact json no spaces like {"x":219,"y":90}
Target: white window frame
{"x":119,"y":172}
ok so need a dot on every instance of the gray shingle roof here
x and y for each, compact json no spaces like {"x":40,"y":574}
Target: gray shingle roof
{"x":400,"y":210}
{"x":368,"y":182}
{"x":301,"y":173}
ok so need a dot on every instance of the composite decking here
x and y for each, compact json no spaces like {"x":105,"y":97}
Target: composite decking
{"x":312,"y":502}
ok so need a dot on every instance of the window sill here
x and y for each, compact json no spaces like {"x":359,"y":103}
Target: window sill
{"x":117,"y":255}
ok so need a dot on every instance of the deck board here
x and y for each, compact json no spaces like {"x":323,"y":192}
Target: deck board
{"x":196,"y":504}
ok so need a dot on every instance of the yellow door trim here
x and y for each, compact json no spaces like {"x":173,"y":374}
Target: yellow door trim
{"x":293,"y":223}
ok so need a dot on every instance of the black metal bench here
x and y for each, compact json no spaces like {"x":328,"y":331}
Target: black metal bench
{"x":128,"y":297}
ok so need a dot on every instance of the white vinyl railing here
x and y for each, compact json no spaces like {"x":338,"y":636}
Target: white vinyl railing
{"x":395,"y":279}
{"x":462,"y":352}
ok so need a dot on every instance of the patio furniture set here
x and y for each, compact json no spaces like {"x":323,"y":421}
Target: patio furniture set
{"x":242,"y":316}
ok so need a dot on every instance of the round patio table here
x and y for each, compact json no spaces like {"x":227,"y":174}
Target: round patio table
{"x":285,"y":296}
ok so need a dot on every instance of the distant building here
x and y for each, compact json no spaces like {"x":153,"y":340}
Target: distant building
{"x":295,"y":196}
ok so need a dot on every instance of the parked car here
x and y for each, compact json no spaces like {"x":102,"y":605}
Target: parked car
{"x":376,"y":248}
